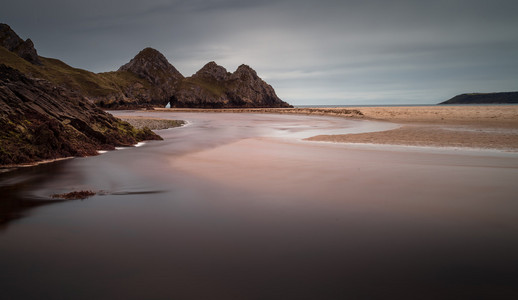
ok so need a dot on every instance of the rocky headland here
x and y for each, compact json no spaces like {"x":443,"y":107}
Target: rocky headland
{"x":484,"y":98}
{"x":213,"y":87}
{"x":41,"y":121}
{"x":50,"y":110}
{"x":147,"y":80}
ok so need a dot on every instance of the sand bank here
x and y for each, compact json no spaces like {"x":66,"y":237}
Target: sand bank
{"x":436,"y":136}
{"x":488,"y":127}
{"x":491,"y":115}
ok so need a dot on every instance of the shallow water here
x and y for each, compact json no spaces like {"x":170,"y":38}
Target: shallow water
{"x":235,"y":206}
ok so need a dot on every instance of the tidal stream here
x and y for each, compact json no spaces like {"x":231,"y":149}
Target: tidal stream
{"x":237,"y":206}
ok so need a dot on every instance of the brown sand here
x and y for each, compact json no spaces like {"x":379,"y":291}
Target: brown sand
{"x":500,"y":116}
{"x":490,"y":127}
{"x":489,"y":116}
{"x":442,"y":136}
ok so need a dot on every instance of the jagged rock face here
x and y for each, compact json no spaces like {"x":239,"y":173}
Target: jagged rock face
{"x":212,"y":71}
{"x":42,"y":121}
{"x":252,"y":89}
{"x":147,"y":80}
{"x":214,"y":87}
{"x":12,"y":42}
{"x":154,"y":67}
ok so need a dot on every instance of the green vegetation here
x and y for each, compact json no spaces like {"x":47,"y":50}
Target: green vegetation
{"x":88,"y":83}
{"x":153,"y":124}
{"x":215,"y":88}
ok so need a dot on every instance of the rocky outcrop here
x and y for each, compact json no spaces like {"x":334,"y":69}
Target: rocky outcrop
{"x":484,"y":98}
{"x":153,"y":66}
{"x":40,"y":121}
{"x":147,"y":80}
{"x":249,"y":89}
{"x":12,"y":42}
{"x":160,"y":76}
{"x":213,"y":87}
{"x":212,"y":71}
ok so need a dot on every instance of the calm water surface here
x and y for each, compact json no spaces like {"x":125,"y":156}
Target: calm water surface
{"x":235,"y":206}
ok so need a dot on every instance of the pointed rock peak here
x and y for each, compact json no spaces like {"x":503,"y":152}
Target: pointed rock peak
{"x":212,"y":71}
{"x":150,"y":54}
{"x":211,"y":64}
{"x":244,"y":67}
{"x":148,"y":62}
{"x":244,"y":72}
{"x":12,"y":42}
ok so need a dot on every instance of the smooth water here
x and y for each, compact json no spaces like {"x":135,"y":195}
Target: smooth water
{"x":236,"y":206}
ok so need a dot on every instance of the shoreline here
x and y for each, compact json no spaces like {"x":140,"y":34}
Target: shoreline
{"x":473,"y":126}
{"x":476,"y":127}
{"x":8,"y":168}
{"x":136,"y":121}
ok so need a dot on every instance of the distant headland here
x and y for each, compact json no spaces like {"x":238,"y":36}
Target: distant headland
{"x":484,"y":98}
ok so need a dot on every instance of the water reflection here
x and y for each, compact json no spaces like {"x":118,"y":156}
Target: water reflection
{"x":234,"y":207}
{"x":15,"y":187}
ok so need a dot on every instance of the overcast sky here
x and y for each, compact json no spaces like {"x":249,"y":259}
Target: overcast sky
{"x":310,"y":51}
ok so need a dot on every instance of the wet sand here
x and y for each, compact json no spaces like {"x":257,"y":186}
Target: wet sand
{"x":486,"y":127}
{"x":434,"y":136}
{"x":239,"y":206}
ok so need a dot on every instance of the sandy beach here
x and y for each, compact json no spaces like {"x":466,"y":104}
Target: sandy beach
{"x":469,"y":136}
{"x":486,"y":127}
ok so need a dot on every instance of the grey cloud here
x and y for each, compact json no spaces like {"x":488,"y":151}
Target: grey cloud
{"x":322,"y":51}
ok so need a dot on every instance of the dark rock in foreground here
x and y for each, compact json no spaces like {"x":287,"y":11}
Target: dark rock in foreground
{"x":42,"y":121}
{"x":484,"y":98}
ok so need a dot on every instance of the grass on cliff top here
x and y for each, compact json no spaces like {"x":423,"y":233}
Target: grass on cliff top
{"x":58,"y":72}
{"x":213,"y":87}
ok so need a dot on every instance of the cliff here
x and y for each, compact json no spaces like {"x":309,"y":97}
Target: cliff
{"x":484,"y":98}
{"x":213,"y":87}
{"x":41,"y":121}
{"x":147,"y":80}
{"x":163,"y":78}
{"x":12,"y":42}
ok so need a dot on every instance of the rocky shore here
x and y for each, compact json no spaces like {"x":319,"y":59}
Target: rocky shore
{"x":151,"y":123}
{"x":41,"y":121}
